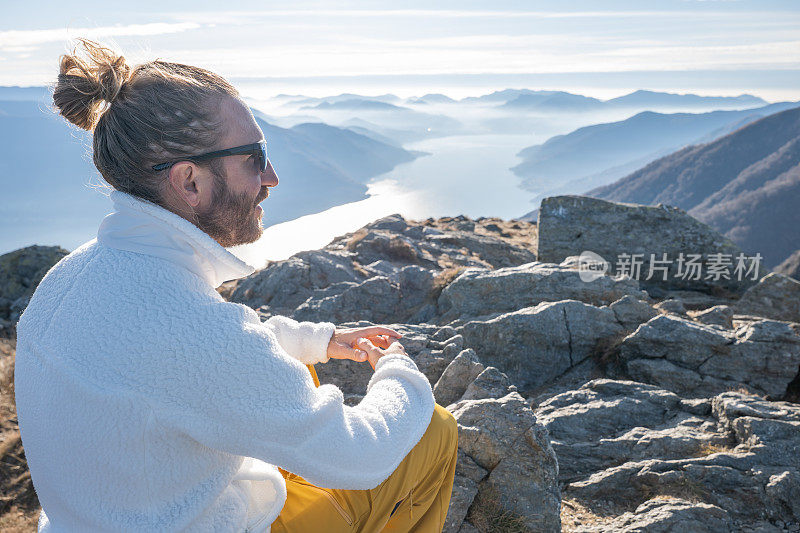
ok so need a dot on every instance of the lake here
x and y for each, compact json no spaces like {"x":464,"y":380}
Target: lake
{"x":466,"y":174}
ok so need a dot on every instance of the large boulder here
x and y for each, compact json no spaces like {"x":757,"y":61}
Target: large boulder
{"x":479,"y":292}
{"x":20,"y":274}
{"x":693,"y":359}
{"x":605,"y":423}
{"x":440,"y":243}
{"x":754,"y":477}
{"x":666,"y":515}
{"x":376,"y":299}
{"x":776,"y":296}
{"x":457,"y":377}
{"x":502,"y":436}
{"x":631,"y":312}
{"x":571,"y":225}
{"x":283,"y":286}
{"x":719,"y":315}
{"x":535,"y":345}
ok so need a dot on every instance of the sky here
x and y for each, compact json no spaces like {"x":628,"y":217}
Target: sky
{"x":600,"y":48}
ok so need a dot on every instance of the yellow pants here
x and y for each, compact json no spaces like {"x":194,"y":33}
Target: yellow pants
{"x":415,"y":497}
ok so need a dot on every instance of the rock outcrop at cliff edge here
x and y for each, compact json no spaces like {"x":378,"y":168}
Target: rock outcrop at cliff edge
{"x":20,"y":273}
{"x":583,"y":404}
{"x":671,"y":249}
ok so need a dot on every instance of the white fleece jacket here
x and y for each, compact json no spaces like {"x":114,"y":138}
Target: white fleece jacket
{"x":148,"y":403}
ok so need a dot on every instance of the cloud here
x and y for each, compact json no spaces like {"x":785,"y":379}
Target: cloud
{"x":14,"y":40}
{"x":234,"y":16}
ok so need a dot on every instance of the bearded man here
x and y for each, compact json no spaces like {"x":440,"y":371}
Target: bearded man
{"x":147,"y":402}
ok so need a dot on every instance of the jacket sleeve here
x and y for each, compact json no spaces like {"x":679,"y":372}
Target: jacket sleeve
{"x":232,"y":386}
{"x":305,"y":341}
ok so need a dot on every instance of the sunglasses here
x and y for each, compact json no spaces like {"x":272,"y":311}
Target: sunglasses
{"x":258,"y":150}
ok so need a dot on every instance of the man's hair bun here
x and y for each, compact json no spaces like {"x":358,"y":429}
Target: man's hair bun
{"x":89,"y":82}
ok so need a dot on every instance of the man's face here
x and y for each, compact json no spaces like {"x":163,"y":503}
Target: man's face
{"x":234,"y":216}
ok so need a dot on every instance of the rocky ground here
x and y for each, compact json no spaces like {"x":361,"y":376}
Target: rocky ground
{"x":602,"y":405}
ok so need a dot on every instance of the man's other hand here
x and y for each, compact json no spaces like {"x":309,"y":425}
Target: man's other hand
{"x":362,"y":344}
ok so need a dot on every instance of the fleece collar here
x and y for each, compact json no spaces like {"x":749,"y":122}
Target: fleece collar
{"x":143,"y":227}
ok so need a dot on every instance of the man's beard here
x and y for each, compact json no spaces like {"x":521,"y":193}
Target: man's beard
{"x":231,"y":218}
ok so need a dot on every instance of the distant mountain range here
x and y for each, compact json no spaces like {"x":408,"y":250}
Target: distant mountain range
{"x":597,"y":155}
{"x":528,"y":99}
{"x":355,"y":104}
{"x":302,"y":100}
{"x":390,"y":120}
{"x":564,"y":101}
{"x":433,"y":98}
{"x":745,"y":184}
{"x":48,"y":175}
{"x":510,"y":111}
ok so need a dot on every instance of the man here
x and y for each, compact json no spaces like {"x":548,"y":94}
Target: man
{"x":146,"y":402}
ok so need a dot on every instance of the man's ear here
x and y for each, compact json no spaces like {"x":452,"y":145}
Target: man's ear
{"x":184,"y":180}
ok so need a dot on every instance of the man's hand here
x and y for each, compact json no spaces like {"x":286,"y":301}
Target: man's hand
{"x":359,"y":344}
{"x":377,"y":350}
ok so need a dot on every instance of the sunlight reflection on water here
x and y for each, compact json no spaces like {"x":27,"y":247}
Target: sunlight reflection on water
{"x":467,"y":174}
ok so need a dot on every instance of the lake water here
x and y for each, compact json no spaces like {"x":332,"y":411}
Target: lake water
{"x":466,"y":175}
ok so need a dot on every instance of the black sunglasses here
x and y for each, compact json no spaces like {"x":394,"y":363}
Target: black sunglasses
{"x":259,"y":150}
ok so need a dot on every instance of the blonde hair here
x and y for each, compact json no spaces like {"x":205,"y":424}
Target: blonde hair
{"x":140,"y":116}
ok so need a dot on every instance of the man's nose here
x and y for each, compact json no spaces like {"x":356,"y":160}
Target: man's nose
{"x":269,"y":177}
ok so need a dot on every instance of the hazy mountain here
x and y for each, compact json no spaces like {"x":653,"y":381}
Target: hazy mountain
{"x":367,"y":129}
{"x":745,"y":184}
{"x":554,"y":101}
{"x":311,"y":100}
{"x":599,"y":154}
{"x":50,"y":186}
{"x":355,"y":104}
{"x":430,"y":99}
{"x":396,"y":122}
{"x":643,"y":98}
{"x":502,"y":96}
{"x":526,"y":99}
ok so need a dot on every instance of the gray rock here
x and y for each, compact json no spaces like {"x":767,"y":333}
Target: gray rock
{"x":492,"y":251}
{"x":671,"y":305}
{"x":372,"y":244}
{"x":503,"y":436}
{"x":284,"y":285}
{"x":631,"y":312}
{"x":783,"y":490}
{"x":394,"y":222}
{"x":464,"y":491}
{"x":491,"y":383}
{"x":537,"y":344}
{"x":456,"y":377}
{"x":607,"y":422}
{"x":697,"y":301}
{"x":776,"y":296}
{"x":698,"y":360}
{"x":668,"y":515}
{"x":381,"y":267}
{"x":479,"y":292}
{"x":570,"y":225}
{"x":376,"y":299}
{"x":465,"y":488}
{"x":753,"y":478}
{"x":719,"y":315}
{"x":20,"y":274}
